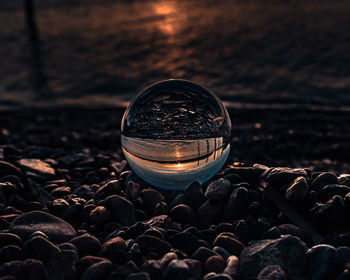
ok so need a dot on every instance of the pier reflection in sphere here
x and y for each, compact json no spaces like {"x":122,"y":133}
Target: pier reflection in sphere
{"x":175,"y":133}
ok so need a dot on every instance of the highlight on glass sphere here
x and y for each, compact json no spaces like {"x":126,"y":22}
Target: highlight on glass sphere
{"x":174,"y":133}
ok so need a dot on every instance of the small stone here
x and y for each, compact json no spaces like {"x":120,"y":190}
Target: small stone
{"x":166,"y":259}
{"x":298,"y":190}
{"x":116,"y":243}
{"x":232,"y":266}
{"x":86,"y":244}
{"x":110,"y":188}
{"x":220,"y":276}
{"x":229,"y":242}
{"x":98,"y":271}
{"x":272,"y":272}
{"x":208,"y":213}
{"x":61,"y":191}
{"x":7,"y":168}
{"x":194,"y":196}
{"x":10,"y":253}
{"x":215,"y":264}
{"x":218,"y":190}
{"x":132,"y":190}
{"x":138,"y":276}
{"x":195,"y":267}
{"x":321,"y":261}
{"x":86,"y":262}
{"x":324,"y":179}
{"x":62,"y":266}
{"x":343,"y":256}
{"x":152,"y":268}
{"x":100,"y":215}
{"x":288,"y":252}
{"x":280,"y":176}
{"x":40,"y":248}
{"x":37,"y":167}
{"x":32,"y":269}
{"x":151,"y":198}
{"x":161,"y":221}
{"x":153,"y":244}
{"x":203,"y":253}
{"x":183,"y":214}
{"x":292,"y":230}
{"x":121,"y":208}
{"x":55,"y":228}
{"x":222,"y":252}
{"x":329,"y":191}
{"x":237,"y":205}
{"x":329,"y":214}
{"x":185,"y":241}
{"x":176,"y":270}
{"x":344,"y":179}
{"x":10,"y":239}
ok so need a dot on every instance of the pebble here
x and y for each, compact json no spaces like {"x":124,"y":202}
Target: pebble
{"x":222,"y":252}
{"x":86,"y":244}
{"x":10,"y":253}
{"x":37,"y":167}
{"x":55,"y":228}
{"x":280,"y":176}
{"x":203,"y":253}
{"x":185,"y":241}
{"x":62,"y":266}
{"x":229,"y":242}
{"x":298,"y":190}
{"x":272,"y":272}
{"x":176,"y":270}
{"x":40,"y":248}
{"x":194,"y":195}
{"x":324,"y":179}
{"x":213,"y":276}
{"x":330,"y":213}
{"x":329,"y":191}
{"x":138,"y":276}
{"x":237,"y":205}
{"x":151,"y":198}
{"x":88,"y":261}
{"x":100,"y":215}
{"x":121,"y":208}
{"x":183,"y":214}
{"x":215,"y":264}
{"x":195,"y":267}
{"x":292,"y":230}
{"x":321,"y":262}
{"x":232,"y":266}
{"x":153,"y":244}
{"x":218,"y":190}
{"x":10,"y":239}
{"x":98,"y":271}
{"x":7,"y":168}
{"x":32,"y":269}
{"x":208,"y":213}
{"x":288,"y":252}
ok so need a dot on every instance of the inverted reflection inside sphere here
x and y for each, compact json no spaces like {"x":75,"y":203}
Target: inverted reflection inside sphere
{"x":175,"y":133}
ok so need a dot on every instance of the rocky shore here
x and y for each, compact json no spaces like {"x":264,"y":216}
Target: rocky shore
{"x":71,"y":208}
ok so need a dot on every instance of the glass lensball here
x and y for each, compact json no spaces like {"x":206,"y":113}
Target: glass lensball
{"x":174,"y":133}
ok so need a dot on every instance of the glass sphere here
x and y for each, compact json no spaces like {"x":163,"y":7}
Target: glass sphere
{"x":174,"y":133}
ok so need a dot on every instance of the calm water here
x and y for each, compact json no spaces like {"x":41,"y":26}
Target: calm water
{"x":175,"y":164}
{"x":105,"y":52}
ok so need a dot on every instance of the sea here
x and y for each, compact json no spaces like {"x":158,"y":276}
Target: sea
{"x":102,"y":53}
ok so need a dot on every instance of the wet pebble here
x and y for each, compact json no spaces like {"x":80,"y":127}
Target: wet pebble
{"x":218,"y":190}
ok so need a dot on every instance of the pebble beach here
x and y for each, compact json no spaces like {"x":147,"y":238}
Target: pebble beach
{"x":71,"y":208}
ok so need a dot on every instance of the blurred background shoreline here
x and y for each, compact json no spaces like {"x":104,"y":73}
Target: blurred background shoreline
{"x":256,"y":53}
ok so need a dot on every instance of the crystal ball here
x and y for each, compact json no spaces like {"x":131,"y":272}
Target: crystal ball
{"x":174,"y":133}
